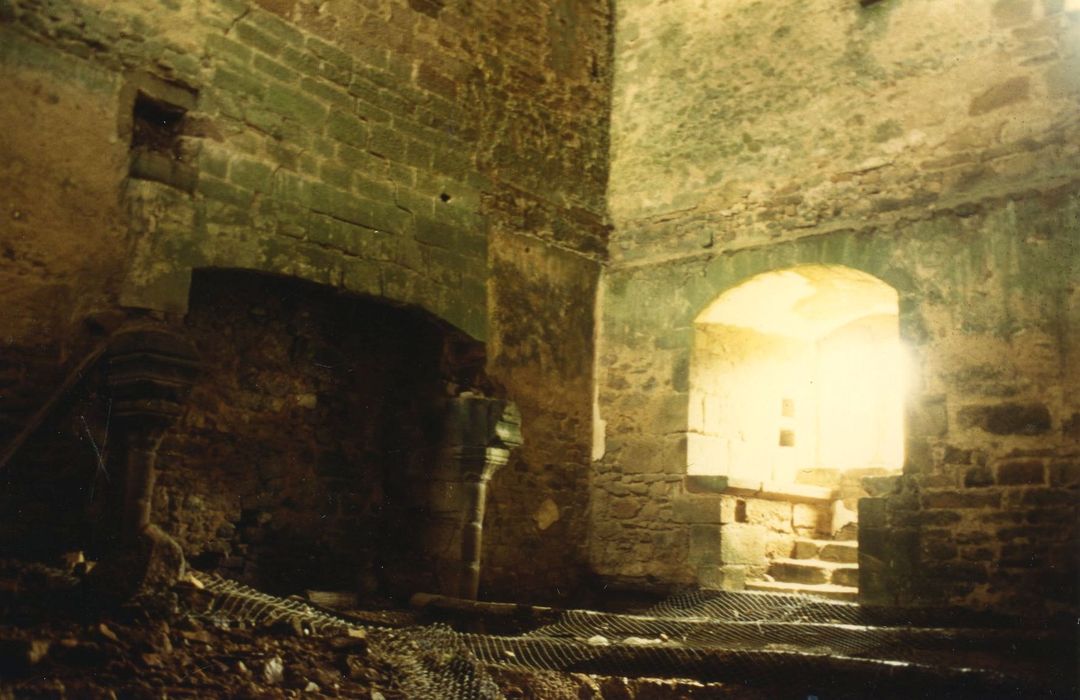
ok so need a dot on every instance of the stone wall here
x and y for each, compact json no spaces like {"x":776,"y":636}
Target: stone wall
{"x":736,"y":124}
{"x":305,"y":436}
{"x":386,"y":148}
{"x":932,"y":145}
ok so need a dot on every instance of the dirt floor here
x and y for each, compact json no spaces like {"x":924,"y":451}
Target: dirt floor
{"x":208,"y":637}
{"x":57,"y":643}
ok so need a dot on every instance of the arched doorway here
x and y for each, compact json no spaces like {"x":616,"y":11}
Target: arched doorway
{"x":797,"y":388}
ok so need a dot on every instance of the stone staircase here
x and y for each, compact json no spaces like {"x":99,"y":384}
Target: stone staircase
{"x":827,"y":568}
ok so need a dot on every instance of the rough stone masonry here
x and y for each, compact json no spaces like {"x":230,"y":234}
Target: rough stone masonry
{"x":569,"y":183}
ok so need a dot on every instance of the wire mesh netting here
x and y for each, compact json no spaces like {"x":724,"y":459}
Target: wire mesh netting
{"x":784,"y":645}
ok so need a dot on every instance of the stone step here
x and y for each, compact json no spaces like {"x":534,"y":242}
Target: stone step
{"x":848,"y":533}
{"x":828,"y":550}
{"x":824,"y":590}
{"x":847,"y":576}
{"x":813,"y":571}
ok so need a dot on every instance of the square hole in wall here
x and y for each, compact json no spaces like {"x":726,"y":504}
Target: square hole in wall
{"x":159,"y":149}
{"x":156,"y":125}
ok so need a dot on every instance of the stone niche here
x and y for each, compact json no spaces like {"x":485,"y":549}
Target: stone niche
{"x":296,"y":463}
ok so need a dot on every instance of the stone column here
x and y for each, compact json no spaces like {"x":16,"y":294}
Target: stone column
{"x":479,"y":434}
{"x":149,"y":371}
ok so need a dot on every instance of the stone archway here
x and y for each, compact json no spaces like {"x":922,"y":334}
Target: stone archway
{"x":797,"y":386}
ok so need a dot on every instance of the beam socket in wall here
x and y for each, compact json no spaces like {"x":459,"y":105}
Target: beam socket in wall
{"x":158,"y":110}
{"x":156,"y":125}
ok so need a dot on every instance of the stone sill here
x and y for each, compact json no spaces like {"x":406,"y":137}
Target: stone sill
{"x":769,"y":490}
{"x":163,"y":168}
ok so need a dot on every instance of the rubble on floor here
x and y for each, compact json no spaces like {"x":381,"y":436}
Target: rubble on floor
{"x":211,"y":637}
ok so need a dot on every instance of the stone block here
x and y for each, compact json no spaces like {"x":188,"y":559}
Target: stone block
{"x":387,"y":142}
{"x":256,"y":38}
{"x":872,"y":546}
{"x":238,"y":83}
{"x":1064,"y":473}
{"x":345,"y":127}
{"x":978,"y":476}
{"x":1025,"y":472}
{"x":281,"y":30}
{"x":705,"y":544}
{"x":1049,"y":497}
{"x":1028,"y":533}
{"x":845,"y":576}
{"x":937,"y":547}
{"x":875,"y":585}
{"x":435,"y":232}
{"x":163,"y":168}
{"x":294,"y":104}
{"x":880,"y":485}
{"x":702,"y":483}
{"x":370,"y":187}
{"x":1007,"y":418}
{"x":331,"y":94}
{"x":779,"y":545}
{"x":214,"y":188}
{"x":722,"y":578}
{"x":840,"y":552}
{"x":1023,"y":556}
{"x":1002,"y":94}
{"x":273,"y":69}
{"x":227,"y":49}
{"x":872,"y":513}
{"x":330,"y":53}
{"x":625,"y":508}
{"x":798,"y":572}
{"x":928,"y":417}
{"x":962,"y":499}
{"x":742,"y":544}
{"x":301,"y":60}
{"x":335,"y":174}
{"x":250,"y":174}
{"x":929,"y":518}
{"x":703,"y":509}
{"x":776,"y":515}
{"x":964,"y":571}
{"x":805,"y":549}
{"x":806,"y":516}
{"x":640,"y":456}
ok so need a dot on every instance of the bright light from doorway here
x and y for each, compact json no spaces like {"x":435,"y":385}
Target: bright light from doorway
{"x":796,"y":370}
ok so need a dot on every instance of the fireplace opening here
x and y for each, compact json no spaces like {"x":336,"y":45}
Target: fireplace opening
{"x":304,"y":444}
